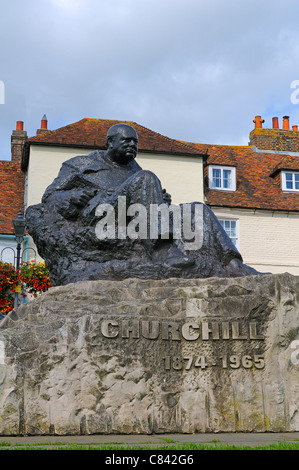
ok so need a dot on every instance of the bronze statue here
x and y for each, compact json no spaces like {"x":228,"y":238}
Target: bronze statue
{"x":85,"y":226}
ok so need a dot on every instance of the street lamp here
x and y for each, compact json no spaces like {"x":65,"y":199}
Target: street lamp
{"x":19,"y":230}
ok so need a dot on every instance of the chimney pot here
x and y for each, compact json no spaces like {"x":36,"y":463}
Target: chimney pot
{"x":295,"y":128}
{"x":20,"y":126}
{"x":258,"y":122}
{"x":275,"y":123}
{"x":44,"y":122}
{"x":286,"y":124}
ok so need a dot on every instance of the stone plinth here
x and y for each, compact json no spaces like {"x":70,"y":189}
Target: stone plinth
{"x":170,"y":356}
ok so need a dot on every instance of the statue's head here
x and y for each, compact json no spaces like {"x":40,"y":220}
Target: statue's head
{"x":122,"y":143}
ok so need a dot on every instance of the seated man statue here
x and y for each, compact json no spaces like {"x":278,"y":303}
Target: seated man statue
{"x":104,"y":217}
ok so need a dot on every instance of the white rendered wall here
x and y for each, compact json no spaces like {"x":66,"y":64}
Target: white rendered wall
{"x":268,"y":241}
{"x":181,"y":176}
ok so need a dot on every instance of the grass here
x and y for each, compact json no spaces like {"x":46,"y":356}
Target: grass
{"x":216,"y":445}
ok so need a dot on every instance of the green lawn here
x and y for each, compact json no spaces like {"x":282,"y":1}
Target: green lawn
{"x":216,"y":445}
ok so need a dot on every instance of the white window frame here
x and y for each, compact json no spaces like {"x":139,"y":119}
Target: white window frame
{"x":222,"y":169}
{"x":225,"y":219}
{"x":284,"y":181}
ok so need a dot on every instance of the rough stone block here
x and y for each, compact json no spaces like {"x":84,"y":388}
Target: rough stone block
{"x":160,"y":356}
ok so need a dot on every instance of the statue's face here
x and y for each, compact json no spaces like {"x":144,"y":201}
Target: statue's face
{"x":124,"y":147}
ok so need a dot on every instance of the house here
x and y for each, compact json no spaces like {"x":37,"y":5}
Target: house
{"x":254,"y":191}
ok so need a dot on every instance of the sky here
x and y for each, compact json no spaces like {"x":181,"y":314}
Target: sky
{"x":193,"y":70}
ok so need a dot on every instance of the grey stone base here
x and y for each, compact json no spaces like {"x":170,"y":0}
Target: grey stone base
{"x":142,"y":357}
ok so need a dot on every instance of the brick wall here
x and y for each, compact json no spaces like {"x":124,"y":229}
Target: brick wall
{"x":12,"y":181}
{"x":18,"y":139}
{"x":279,"y":140}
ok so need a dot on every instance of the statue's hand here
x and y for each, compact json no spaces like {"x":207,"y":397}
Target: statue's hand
{"x":166,"y":197}
{"x":83,"y":197}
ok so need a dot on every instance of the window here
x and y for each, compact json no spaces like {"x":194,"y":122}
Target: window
{"x":222,"y":178}
{"x":231,"y":228}
{"x":290,"y":180}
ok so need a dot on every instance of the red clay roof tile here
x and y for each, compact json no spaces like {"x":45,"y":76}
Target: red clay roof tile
{"x":257,"y":188}
{"x":92,"y":133}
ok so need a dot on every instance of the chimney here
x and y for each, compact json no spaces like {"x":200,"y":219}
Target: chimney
{"x":258,"y":122}
{"x":18,"y":139}
{"x":284,"y":140}
{"x":43,"y":125}
{"x":286,"y":124}
{"x":44,"y":122}
{"x":19,"y":126}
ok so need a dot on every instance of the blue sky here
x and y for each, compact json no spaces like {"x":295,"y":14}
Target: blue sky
{"x":190,"y":69}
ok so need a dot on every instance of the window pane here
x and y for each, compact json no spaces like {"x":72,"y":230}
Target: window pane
{"x":289,"y":180}
{"x":296,"y":180}
{"x":226,"y":178}
{"x":216,"y":178}
{"x":233,"y":227}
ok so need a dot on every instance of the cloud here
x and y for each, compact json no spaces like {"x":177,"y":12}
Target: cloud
{"x":192,"y":70}
{"x":68,"y":4}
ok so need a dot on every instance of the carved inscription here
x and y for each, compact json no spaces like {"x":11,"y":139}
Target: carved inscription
{"x":226,"y":361}
{"x":191,"y":330}
{"x":194,"y":330}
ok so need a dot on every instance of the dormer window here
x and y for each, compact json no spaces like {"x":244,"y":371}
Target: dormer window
{"x":222,"y":178}
{"x":290,"y":181}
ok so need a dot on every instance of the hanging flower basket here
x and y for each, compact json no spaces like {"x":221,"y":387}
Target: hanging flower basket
{"x":31,"y":278}
{"x":8,"y":284}
{"x":34,"y":277}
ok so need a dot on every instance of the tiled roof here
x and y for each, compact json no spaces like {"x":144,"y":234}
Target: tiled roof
{"x":92,"y":133}
{"x":12,"y":181}
{"x":258,"y":178}
{"x":258,"y":173}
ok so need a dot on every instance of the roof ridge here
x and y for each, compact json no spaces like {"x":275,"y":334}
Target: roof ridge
{"x":183,"y":146}
{"x":222,"y":145}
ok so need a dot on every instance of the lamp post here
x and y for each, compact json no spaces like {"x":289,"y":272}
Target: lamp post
{"x":19,"y":230}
